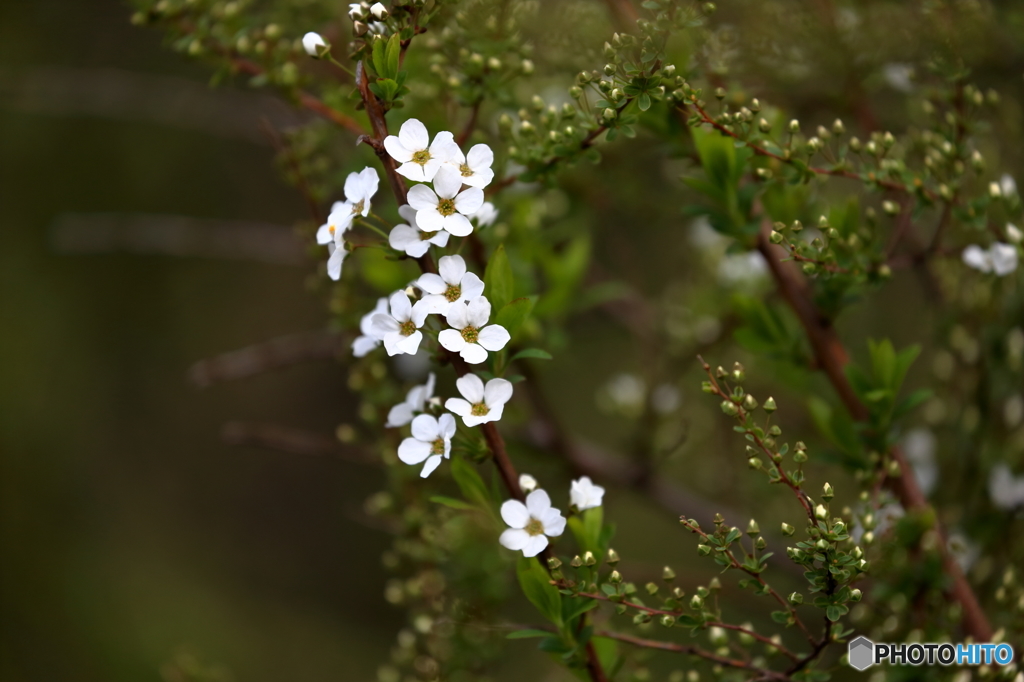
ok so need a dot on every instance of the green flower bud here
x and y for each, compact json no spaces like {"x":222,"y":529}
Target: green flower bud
{"x":838,"y":128}
{"x":668,"y":621}
{"x":704,"y":550}
{"x":576,"y":92}
{"x":720,"y":93}
{"x":796,"y":598}
{"x":609,"y":69}
{"x":755,"y":463}
{"x":855,"y":595}
{"x":821,"y":512}
{"x":738,"y":373}
{"x":794,"y":126}
{"x":554,"y":563}
{"x":760,"y":543}
{"x":890,"y":207}
{"x":641,"y":618}
{"x":615,"y":578}
{"x":576,"y":561}
{"x":667,"y":574}
{"x":827,"y":493}
{"x":588,"y":558}
{"x":730,"y":408}
{"x":696,"y":602}
{"x":749,"y":403}
{"x":764,"y":126}
{"x":888,"y":140}
{"x":752,"y":528}
{"x":612,"y":558}
{"x":652,"y":589}
{"x":608,"y":114}
{"x":855,"y":144}
{"x":787,"y":529}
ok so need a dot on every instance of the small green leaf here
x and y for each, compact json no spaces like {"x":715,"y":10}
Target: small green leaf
{"x":451,"y":502}
{"x":392,"y":54}
{"x":470,"y":483}
{"x":498,"y":283}
{"x":532,"y":353}
{"x":536,"y":585}
{"x":644,"y":102}
{"x":513,"y":315}
{"x":379,"y":60}
{"x":527,"y":634}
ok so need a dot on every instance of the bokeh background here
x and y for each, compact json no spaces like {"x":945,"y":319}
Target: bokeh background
{"x":133,"y":536}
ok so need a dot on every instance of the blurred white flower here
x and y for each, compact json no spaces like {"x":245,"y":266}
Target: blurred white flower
{"x":367,"y":341}
{"x":742,"y":268}
{"x":584,"y":494}
{"x":479,"y":403}
{"x":485,"y":215}
{"x":1013,"y":233}
{"x":1008,"y":185}
{"x":625,"y":393}
{"x":531,"y":524}
{"x":445,"y":207}
{"x":919,"y":446}
{"x":399,"y":330}
{"x":1000,"y":259}
{"x":665,"y":398}
{"x":312,"y":43}
{"x":475,"y":167}
{"x":453,"y":284}
{"x":471,"y":336}
{"x":415,"y":401}
{"x":898,"y":76}
{"x":431,"y":442}
{"x":420,"y":158}
{"x":527,"y":482}
{"x":1005,"y":489}
{"x":963,"y":550}
{"x":336,"y":256}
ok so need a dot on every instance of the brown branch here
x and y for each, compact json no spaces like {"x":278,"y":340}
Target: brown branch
{"x":474,"y":112}
{"x":693,"y":651}
{"x":293,"y":162}
{"x":264,"y":357}
{"x":831,"y":357}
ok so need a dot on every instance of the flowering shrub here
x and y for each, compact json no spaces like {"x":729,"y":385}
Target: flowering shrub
{"x":460,"y":275}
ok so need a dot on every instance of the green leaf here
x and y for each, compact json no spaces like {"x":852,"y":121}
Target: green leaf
{"x":498,"y":283}
{"x":451,"y":502}
{"x":644,"y":102}
{"x":392,"y":54}
{"x":536,"y":585}
{"x":470,"y":482}
{"x":532,"y":353}
{"x":513,"y":315}
{"x":527,"y":634}
{"x":575,"y":606}
{"x":379,"y":60}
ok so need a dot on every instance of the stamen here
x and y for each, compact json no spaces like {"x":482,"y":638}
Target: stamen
{"x":437,"y":447}
{"x":407,"y":328}
{"x":534,"y":527}
{"x":421,"y":157}
{"x":446,"y":207}
{"x":479,"y":410}
{"x":470,"y":334}
{"x":452,"y":293}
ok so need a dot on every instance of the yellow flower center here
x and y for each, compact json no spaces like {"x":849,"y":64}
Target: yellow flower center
{"x":446,"y":207}
{"x":330,"y":228}
{"x":421,"y":157}
{"x":437,"y":447}
{"x":534,"y":527}
{"x":479,"y":410}
{"x":357,"y":208}
{"x":407,"y":328}
{"x":465,"y":170}
{"x":470,"y":334}
{"x":452,"y":294}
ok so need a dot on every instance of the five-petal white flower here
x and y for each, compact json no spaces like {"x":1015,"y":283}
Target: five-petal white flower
{"x":412,"y":240}
{"x":471,"y":336}
{"x":1000,"y":259}
{"x":531,"y":524}
{"x":485,"y":215}
{"x":430,"y":443}
{"x":445,"y":207}
{"x":475,"y":167}
{"x":584,"y":494}
{"x":399,"y":330}
{"x":359,"y":189}
{"x":415,"y":401}
{"x":420,"y":158}
{"x":312,"y":43}
{"x":453,"y":285}
{"x":367,"y":341}
{"x":481,"y":404}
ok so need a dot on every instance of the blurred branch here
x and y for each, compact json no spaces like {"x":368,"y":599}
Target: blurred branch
{"x":762,"y":673}
{"x":290,"y":440}
{"x":832,"y":358}
{"x":301,"y":183}
{"x":263,"y":357}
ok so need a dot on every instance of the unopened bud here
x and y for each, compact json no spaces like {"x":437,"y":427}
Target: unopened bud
{"x":769,"y":405}
{"x":821,"y":512}
{"x":668,"y":621}
{"x":696,"y":602}
{"x":752,"y":528}
{"x":764,"y":126}
{"x":794,"y":126}
{"x":576,"y":561}
{"x":615,"y":578}
{"x":787,"y":529}
{"x":652,"y":589}
{"x":554,"y":563}
{"x":838,"y":128}
{"x":588,"y":558}
{"x":796,"y":598}
{"x":613,"y":557}
{"x":827,"y":493}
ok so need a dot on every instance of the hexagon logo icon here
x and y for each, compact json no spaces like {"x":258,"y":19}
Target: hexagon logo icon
{"x":861,"y":653}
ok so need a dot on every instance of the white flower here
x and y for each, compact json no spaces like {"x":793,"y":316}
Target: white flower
{"x":430,"y":443}
{"x":415,"y":401}
{"x":337,"y":255}
{"x":527,"y":482}
{"x":313,"y":43}
{"x":531,"y":523}
{"x":1005,"y":490}
{"x":1008,"y":185}
{"x":399,"y":330}
{"x":378,"y":28}
{"x":469,"y":337}
{"x":584,"y":494}
{"x":445,"y":207}
{"x":412,"y":240}
{"x":367,"y":342}
{"x":419,"y":158}
{"x":919,"y":446}
{"x":453,"y":285}
{"x":1013,"y":233}
{"x":1000,"y":259}
{"x":482,"y":404}
{"x":899,"y":76}
{"x":742,"y":268}
{"x":474,"y":167}
{"x":359,"y":189}
{"x":485,"y":215}
{"x":378,"y":10}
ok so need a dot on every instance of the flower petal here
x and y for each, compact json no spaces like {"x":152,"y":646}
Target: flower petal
{"x":535,"y":546}
{"x":413,"y":171}
{"x":412,"y":451}
{"x":479,"y":157}
{"x":977,"y":258}
{"x":471,"y":387}
{"x":433,"y":304}
{"x":424,"y":427}
{"x":440,"y":239}
{"x":401,"y":237}
{"x":452,"y":269}
{"x":430,"y":219}
{"x":411,"y":344}
{"x":324,"y":235}
{"x":452,"y":340}
{"x":414,"y":135}
{"x":480,"y":178}
{"x":391,"y":341}
{"x":458,"y":406}
{"x":458,"y":316}
{"x":469,"y":201}
{"x":537,"y":503}
{"x":478,"y":311}
{"x":431,"y":283}
{"x":446,"y":425}
{"x":447,"y":183}
{"x":473,"y":353}
{"x":401,"y":308}
{"x":493,"y":337}
{"x":444,"y":148}
{"x":497,"y":392}
{"x":514,"y":539}
{"x":421,"y":197}
{"x":419,"y":312}
{"x":362,"y":345}
{"x":382,"y":324}
{"x":458,"y":225}
{"x":472,"y":286}
{"x":419,"y":247}
{"x":334,"y":263}
{"x":515,"y":514}
{"x":432,"y":463}
{"x":399,"y":415}
{"x":554,"y":523}
{"x":397,"y":150}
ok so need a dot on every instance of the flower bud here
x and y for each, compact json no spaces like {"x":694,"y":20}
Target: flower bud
{"x":838,"y":128}
{"x":769,"y":405}
{"x":526,"y":66}
{"x":612,"y":558}
{"x":787,"y":529}
{"x":696,"y":602}
{"x":588,"y":558}
{"x":760,"y":543}
{"x":821,"y":512}
{"x":827,"y":493}
{"x":890,"y":207}
{"x":608,"y":114}
{"x":868,"y":537}
{"x":730,"y":408}
{"x":652,"y":589}
{"x":668,"y":621}
{"x":855,"y":144}
{"x":794,"y":126}
{"x":379,"y":11}
{"x":795,"y":598}
{"x":888,"y":140}
{"x":752,"y":528}
{"x":755,"y":463}
{"x":764,"y":126}
{"x":576,"y":561}
{"x":855,"y":595}
{"x":554,"y":563}
{"x":994,"y":190}
{"x":527,"y":482}
{"x":615,"y":578}
{"x":704,"y":550}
